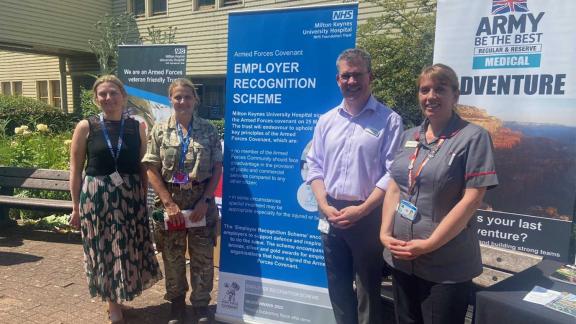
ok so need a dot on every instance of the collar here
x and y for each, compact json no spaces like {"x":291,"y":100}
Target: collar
{"x":371,"y":104}
{"x":172,"y":122}
{"x":455,"y":124}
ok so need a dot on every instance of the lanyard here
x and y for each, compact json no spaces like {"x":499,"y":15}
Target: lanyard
{"x":107,"y":138}
{"x":184,"y":143}
{"x":411,"y":175}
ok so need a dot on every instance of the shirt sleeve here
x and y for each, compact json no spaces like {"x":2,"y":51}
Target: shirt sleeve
{"x":480,"y":167}
{"x":315,"y":156}
{"x":393,"y":137}
{"x":152,"y":155}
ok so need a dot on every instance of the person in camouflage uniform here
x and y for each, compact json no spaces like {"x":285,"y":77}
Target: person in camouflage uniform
{"x":184,"y":178}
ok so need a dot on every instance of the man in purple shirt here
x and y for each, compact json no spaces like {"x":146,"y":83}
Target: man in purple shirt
{"x":352,"y":150}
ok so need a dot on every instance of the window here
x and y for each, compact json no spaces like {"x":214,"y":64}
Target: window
{"x":56,"y":99}
{"x":158,"y":7}
{"x":147,"y":8}
{"x":206,"y":4}
{"x":226,"y":3}
{"x":17,"y":88}
{"x":49,"y":92}
{"x":137,"y":7}
{"x":6,"y":88}
{"x":42,"y":91}
{"x":215,"y":4}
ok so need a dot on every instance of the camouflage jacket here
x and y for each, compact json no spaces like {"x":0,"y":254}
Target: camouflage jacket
{"x":164,"y":149}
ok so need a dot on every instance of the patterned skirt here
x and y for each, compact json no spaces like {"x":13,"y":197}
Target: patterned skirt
{"x":118,"y":252}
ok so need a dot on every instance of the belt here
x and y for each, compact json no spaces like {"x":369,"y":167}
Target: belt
{"x":184,"y":186}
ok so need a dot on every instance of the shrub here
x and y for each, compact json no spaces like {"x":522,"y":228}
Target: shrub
{"x":87,"y":106}
{"x":219,"y":123}
{"x":16,"y":111}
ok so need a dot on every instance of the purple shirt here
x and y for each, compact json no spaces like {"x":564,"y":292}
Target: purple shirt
{"x":353,"y":154}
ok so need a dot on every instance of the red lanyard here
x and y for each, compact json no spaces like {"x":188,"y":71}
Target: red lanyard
{"x":411,"y":175}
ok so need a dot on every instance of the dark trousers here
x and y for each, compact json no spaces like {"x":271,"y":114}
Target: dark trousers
{"x":355,"y":255}
{"x":424,"y":302}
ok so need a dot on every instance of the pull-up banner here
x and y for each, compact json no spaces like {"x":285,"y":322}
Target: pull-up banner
{"x":281,"y":77}
{"x":515,"y":60}
{"x":147,"y":71}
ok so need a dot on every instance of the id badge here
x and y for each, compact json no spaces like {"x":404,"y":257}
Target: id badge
{"x":323,"y":226}
{"x":180,"y":177}
{"x":407,"y":210}
{"x":116,"y":179}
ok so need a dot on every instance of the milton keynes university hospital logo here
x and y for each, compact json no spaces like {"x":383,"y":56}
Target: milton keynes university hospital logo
{"x":506,"y":6}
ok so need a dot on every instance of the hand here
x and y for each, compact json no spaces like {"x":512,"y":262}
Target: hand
{"x":348,"y":217}
{"x":329,"y":211}
{"x":396,"y":247}
{"x":410,"y":250}
{"x":75,"y":219}
{"x":175,"y":216}
{"x":199,"y":210}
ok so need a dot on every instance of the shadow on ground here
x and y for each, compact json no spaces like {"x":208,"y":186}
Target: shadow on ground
{"x":13,"y":236}
{"x":11,"y":258}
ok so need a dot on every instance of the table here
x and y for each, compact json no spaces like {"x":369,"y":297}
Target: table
{"x":502,"y":302}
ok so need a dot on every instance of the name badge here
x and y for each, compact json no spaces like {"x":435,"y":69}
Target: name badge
{"x":180,"y":177}
{"x":323,"y":226}
{"x":116,"y":179}
{"x":411,"y":144}
{"x":407,"y":210}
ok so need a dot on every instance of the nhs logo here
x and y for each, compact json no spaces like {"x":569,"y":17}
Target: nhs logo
{"x":342,"y":14}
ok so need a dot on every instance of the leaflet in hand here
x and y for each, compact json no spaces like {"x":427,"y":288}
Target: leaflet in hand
{"x":188,"y":223}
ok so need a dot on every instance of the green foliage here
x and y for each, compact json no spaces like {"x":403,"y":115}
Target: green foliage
{"x":113,"y":30}
{"x":87,"y":106}
{"x":36,"y":150}
{"x":156,"y":35}
{"x":219,"y":123}
{"x":16,"y":111}
{"x":401,"y":43}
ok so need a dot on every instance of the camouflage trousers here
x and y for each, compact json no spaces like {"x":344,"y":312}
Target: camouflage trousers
{"x":200,"y":242}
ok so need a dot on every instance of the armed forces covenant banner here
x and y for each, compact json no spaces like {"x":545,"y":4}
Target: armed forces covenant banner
{"x":147,"y":71}
{"x":515,"y":59}
{"x":281,"y":77}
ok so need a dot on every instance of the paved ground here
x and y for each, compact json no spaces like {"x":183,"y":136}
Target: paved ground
{"x":42,"y":281}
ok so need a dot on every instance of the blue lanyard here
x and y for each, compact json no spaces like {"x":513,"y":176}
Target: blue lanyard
{"x":109,"y":143}
{"x":184,"y":142}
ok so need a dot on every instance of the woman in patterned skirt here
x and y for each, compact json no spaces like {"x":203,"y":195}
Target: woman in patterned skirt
{"x":109,"y":203}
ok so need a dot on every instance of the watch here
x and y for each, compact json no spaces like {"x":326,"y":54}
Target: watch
{"x":207,"y":199}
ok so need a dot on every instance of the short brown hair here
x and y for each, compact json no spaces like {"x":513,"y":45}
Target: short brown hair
{"x":440,"y":73}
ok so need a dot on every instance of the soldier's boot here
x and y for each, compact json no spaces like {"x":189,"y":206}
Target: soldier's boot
{"x":202,"y":315}
{"x":177,"y":310}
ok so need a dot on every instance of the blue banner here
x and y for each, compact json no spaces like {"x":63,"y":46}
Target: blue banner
{"x":281,"y":77}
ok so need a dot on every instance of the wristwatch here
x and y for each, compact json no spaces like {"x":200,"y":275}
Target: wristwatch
{"x":207,"y":199}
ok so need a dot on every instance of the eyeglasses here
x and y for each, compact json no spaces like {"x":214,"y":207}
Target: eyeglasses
{"x":355,"y":75}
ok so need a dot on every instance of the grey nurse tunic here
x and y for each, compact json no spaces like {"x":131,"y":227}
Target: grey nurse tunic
{"x":464,"y":160}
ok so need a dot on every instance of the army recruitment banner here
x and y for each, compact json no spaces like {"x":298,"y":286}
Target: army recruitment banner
{"x":147,"y":71}
{"x":515,"y":60}
{"x":281,"y":77}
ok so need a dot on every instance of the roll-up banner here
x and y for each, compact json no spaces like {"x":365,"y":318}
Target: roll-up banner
{"x":281,"y":77}
{"x":147,"y":71}
{"x":515,"y":60}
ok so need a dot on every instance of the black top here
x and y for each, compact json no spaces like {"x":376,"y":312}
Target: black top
{"x":99,"y":157}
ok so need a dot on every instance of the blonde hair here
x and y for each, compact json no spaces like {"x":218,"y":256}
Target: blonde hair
{"x":181,"y":82}
{"x":112,"y":79}
{"x":442,"y":74}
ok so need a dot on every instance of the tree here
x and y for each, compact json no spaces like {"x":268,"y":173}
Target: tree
{"x":113,"y":30}
{"x":157,"y":35}
{"x":401,"y":43}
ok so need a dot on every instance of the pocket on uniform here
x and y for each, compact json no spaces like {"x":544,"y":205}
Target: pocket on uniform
{"x":169,"y":160}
